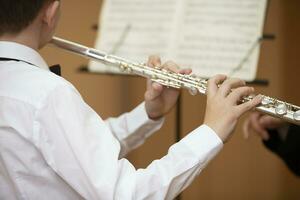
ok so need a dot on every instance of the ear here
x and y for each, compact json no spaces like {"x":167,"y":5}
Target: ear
{"x":51,"y":13}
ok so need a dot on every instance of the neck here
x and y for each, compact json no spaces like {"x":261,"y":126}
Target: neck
{"x":26,"y":37}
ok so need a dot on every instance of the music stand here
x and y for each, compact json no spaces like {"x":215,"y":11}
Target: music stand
{"x":178,"y":125}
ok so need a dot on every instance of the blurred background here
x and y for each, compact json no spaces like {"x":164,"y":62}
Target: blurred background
{"x":244,"y":169}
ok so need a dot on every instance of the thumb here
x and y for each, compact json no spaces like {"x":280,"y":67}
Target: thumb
{"x":153,"y":91}
{"x":270,"y":122}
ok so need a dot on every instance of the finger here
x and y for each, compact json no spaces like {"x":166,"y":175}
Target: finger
{"x":256,"y":126}
{"x":212,"y":84}
{"x":154,"y":61}
{"x":264,"y":135}
{"x":244,"y":107}
{"x":246,"y":129}
{"x":229,"y":84}
{"x":248,"y":125}
{"x":236,"y":95}
{"x":154,"y":91}
{"x":171,"y":66}
{"x":185,"y":71}
{"x":269,"y":122}
{"x":149,"y":84}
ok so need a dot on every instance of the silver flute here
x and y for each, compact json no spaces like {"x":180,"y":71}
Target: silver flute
{"x":195,"y":85}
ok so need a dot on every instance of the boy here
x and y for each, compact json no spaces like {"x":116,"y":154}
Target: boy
{"x":54,"y":146}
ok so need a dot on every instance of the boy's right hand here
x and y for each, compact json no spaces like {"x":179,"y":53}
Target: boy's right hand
{"x":223,"y":109}
{"x":260,"y":124}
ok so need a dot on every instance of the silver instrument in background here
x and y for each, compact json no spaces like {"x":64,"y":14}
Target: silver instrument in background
{"x":195,"y":85}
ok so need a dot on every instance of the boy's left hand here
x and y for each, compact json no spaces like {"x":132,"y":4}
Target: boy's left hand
{"x":159,"y":100}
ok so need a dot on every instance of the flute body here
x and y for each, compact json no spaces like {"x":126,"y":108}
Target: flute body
{"x":195,"y":85}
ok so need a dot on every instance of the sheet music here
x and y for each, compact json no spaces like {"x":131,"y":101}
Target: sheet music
{"x":136,"y":29}
{"x":210,"y":36}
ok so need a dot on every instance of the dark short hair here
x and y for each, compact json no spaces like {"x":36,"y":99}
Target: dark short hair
{"x":16,"y":15}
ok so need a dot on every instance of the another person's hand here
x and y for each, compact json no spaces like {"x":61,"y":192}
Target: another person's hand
{"x":260,"y":124}
{"x":159,"y":100}
{"x":223,"y":109}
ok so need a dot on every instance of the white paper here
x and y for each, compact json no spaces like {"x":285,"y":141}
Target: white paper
{"x":209,"y":36}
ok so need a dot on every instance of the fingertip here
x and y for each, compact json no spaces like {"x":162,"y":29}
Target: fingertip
{"x":171,"y":66}
{"x":154,"y":61}
{"x":256,"y":101}
{"x":259,"y":98}
{"x":221,"y":76}
{"x":189,"y":71}
{"x":185,"y":71}
{"x":154,"y":91}
{"x":248,"y":91}
{"x":212,"y":83}
{"x":245,"y":129}
{"x":182,"y":71}
{"x":265,"y":135}
{"x":147,"y":95}
{"x":157,"y":86}
{"x":218,"y":79}
{"x":157,"y":65}
{"x":150,"y":64}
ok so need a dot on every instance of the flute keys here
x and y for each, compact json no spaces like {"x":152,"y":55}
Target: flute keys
{"x":154,"y":77}
{"x":123,"y":67}
{"x":129,"y":70}
{"x":266,"y":101}
{"x":193,"y":91}
{"x":297,"y":115}
{"x":281,"y":109}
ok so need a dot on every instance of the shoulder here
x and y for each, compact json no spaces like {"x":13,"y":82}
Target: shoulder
{"x":31,"y":84}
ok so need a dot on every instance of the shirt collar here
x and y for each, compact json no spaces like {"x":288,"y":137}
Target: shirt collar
{"x":23,"y":53}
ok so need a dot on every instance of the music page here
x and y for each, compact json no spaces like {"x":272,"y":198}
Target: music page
{"x":135,"y":29}
{"x":209,"y":36}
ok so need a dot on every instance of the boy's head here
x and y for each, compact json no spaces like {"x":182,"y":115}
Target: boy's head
{"x":29,"y":18}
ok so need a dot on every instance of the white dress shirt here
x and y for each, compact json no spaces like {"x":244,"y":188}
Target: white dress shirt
{"x":54,"y":146}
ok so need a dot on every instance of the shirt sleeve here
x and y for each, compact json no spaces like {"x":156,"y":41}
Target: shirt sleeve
{"x":133,"y":128}
{"x":77,"y":144}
